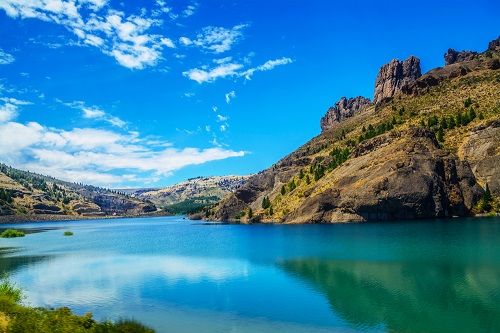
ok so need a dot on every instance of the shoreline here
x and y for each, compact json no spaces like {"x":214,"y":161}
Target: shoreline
{"x":17,"y":219}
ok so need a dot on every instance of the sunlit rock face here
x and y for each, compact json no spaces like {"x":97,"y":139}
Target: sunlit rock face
{"x":343,"y":109}
{"x":394,"y":75}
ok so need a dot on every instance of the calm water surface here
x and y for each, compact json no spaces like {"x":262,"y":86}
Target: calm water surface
{"x":181,"y":276}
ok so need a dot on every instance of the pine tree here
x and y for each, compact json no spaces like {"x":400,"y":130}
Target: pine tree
{"x":308,"y":180}
{"x":481,"y":116}
{"x":271,"y":211}
{"x":283,"y":190}
{"x":440,"y":135}
{"x":472,"y":114}
{"x":301,"y":174}
{"x":250,"y":213}
{"x":451,"y":123}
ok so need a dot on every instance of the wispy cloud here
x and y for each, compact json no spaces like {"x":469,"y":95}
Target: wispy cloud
{"x":127,"y":38}
{"x":190,"y":10}
{"x":210,"y":75}
{"x":267,"y":66}
{"x":229,"y":96}
{"x":6,"y":58}
{"x":205,"y":74}
{"x":216,"y":39}
{"x":94,"y":112}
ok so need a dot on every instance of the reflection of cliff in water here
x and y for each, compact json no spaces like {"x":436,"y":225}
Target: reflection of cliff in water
{"x":10,"y":262}
{"x":410,"y":297}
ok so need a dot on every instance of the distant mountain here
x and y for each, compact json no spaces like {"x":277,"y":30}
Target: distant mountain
{"x":28,"y":195}
{"x":426,"y":147}
{"x":191,"y":195}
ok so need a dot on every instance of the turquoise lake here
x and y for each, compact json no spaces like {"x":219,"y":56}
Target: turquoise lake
{"x":177,"y":275}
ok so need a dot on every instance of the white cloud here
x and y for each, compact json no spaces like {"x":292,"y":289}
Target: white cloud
{"x":94,"y":112}
{"x":126,"y":38}
{"x":190,"y":10}
{"x":9,"y":109}
{"x":229,"y":96}
{"x":7,"y":112}
{"x":216,"y":39}
{"x":202,"y":75}
{"x":185,"y":41}
{"x":6,"y":58}
{"x":267,"y":66}
{"x":221,"y":118}
{"x":96,"y":156}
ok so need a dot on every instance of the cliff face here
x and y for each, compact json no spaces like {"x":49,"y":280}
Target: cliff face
{"x":400,"y":175}
{"x":427,"y":151}
{"x":343,"y":109}
{"x":394,"y":75}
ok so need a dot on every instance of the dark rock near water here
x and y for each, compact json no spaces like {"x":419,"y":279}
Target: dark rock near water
{"x":343,"y":109}
{"x":394,"y":75}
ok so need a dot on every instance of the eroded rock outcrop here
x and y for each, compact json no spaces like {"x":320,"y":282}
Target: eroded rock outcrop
{"x":481,"y":149}
{"x":394,"y":75}
{"x":452,"y":56}
{"x":400,"y":175}
{"x":344,"y":108}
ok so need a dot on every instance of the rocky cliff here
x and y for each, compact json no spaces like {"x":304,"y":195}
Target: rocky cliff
{"x":393,"y":76}
{"x":343,"y":109}
{"x":429,"y":150}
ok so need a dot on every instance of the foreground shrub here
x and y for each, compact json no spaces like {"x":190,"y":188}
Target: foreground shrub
{"x":17,"y":318}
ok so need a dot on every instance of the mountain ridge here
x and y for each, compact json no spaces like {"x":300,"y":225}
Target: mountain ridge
{"x":441,"y":112}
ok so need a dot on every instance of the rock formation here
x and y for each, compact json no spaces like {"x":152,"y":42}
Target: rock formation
{"x":494,"y":45}
{"x":395,"y":167}
{"x":452,"y":56}
{"x":394,"y":75}
{"x":343,"y":109}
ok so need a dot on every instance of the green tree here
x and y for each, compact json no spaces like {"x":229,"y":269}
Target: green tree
{"x":301,"y":174}
{"x":283,"y":190}
{"x":271,"y":211}
{"x":266,"y":203}
{"x":467,"y":102}
{"x":451,"y":123}
{"x":308,"y":180}
{"x":250,"y":213}
{"x":481,"y":116}
{"x":472,"y":114}
{"x":292,"y":185}
{"x":440,"y":135}
{"x":486,"y":199}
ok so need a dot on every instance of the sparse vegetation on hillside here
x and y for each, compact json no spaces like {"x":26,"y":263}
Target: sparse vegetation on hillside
{"x":450,"y":109}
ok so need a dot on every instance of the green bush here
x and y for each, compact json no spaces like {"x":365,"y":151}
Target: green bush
{"x":11,"y":233}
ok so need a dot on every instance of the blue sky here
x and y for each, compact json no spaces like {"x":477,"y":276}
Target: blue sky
{"x":148,"y":93}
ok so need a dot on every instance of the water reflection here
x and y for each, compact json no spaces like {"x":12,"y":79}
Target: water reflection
{"x":407,"y":297}
{"x":10,"y":262}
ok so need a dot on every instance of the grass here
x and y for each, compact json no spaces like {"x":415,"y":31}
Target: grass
{"x":68,"y":233}
{"x":12,"y":233}
{"x":18,"y":318}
